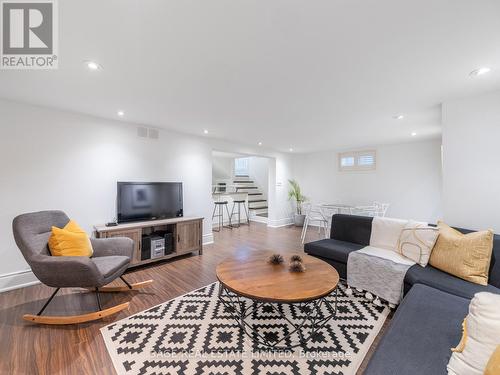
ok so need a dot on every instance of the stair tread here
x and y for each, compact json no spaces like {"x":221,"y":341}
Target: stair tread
{"x":246,"y":187}
{"x":254,"y":193}
{"x":258,"y":208}
{"x":243,"y":182}
{"x":258,"y":200}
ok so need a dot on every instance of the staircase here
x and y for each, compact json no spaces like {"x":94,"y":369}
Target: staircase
{"x":257,"y":204}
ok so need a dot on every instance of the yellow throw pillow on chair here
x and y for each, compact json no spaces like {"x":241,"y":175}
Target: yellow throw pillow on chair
{"x":70,"y":241}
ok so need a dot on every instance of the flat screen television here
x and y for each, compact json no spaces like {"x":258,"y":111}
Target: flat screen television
{"x":138,"y":201}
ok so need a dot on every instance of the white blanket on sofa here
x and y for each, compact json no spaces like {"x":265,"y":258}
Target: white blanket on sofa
{"x":380,"y":268}
{"x":386,"y":254}
{"x":379,"y":271}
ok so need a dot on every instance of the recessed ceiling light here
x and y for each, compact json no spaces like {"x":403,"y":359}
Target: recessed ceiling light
{"x":479,"y":71}
{"x":120,"y":113}
{"x":413,"y":134}
{"x":398,"y":117}
{"x":260,"y":143}
{"x":290,"y":149}
{"x":205,"y":131}
{"x":92,"y":65}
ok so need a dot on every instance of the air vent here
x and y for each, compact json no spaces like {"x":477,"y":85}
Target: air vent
{"x":142,"y":132}
{"x":153,"y":133}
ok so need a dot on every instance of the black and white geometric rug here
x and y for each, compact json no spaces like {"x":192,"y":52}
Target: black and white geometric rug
{"x":195,"y":334}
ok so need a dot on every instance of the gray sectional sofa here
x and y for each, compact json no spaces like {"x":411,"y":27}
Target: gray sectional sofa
{"x":428,"y":321}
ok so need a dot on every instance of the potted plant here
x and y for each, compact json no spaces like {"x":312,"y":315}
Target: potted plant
{"x":295,"y":194}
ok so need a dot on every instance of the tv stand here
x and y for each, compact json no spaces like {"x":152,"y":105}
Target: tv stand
{"x":187,"y":235}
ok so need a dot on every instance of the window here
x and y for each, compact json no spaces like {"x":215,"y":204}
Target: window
{"x":347,"y":161}
{"x":241,"y":167}
{"x":366,"y":160}
{"x":357,"y":160}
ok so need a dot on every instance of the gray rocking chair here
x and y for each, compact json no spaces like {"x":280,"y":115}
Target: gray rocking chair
{"x":110,"y":259}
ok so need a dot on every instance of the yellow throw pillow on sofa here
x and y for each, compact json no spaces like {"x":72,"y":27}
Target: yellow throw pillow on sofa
{"x":461,"y":345}
{"x":467,"y":256}
{"x":70,"y":241}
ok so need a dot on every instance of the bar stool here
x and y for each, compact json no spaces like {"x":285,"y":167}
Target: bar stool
{"x":239,"y":203}
{"x":219,"y":206}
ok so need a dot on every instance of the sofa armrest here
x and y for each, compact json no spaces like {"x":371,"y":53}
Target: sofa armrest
{"x":112,"y":246}
{"x":66,"y":271}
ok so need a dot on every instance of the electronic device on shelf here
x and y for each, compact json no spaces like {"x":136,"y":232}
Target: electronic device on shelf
{"x":157,"y":245}
{"x":152,"y":247}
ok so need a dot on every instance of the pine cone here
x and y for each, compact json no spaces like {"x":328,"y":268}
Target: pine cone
{"x":296,"y":258}
{"x":297,"y":267}
{"x":276,"y":259}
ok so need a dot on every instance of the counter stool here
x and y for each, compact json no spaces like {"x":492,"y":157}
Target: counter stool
{"x":239,"y":203}
{"x":219,"y":207}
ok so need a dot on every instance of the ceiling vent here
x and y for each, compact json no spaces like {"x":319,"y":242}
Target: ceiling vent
{"x":151,"y":133}
{"x":142,"y":132}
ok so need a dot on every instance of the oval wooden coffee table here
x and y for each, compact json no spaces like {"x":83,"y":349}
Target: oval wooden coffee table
{"x":260,"y":296}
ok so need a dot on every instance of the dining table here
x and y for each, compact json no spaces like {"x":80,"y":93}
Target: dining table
{"x":339,"y":208}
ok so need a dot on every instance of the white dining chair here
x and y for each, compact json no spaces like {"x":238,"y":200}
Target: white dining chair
{"x":376,"y":210}
{"x":314,"y":215}
{"x":328,"y":211}
{"x":381,"y":208}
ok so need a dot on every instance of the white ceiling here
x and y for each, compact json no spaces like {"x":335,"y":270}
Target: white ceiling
{"x":309,"y":74}
{"x":227,"y":155}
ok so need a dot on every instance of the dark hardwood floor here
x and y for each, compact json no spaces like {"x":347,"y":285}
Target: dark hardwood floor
{"x":27,"y":348}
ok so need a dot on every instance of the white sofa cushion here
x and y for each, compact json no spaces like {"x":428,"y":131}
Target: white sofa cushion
{"x":417,"y":241}
{"x":386,"y":232}
{"x":482,"y":336}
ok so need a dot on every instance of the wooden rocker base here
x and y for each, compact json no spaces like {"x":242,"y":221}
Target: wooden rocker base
{"x":75,"y":319}
{"x":133,"y":286}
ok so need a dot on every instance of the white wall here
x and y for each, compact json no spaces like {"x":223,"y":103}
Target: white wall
{"x":283,"y":210}
{"x":408,"y":176}
{"x":258,"y":168}
{"x":222,"y":168}
{"x":58,"y":160}
{"x":471,"y":162}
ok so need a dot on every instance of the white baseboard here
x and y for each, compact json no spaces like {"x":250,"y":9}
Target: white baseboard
{"x":208,"y":239}
{"x":16,"y":280}
{"x":283,"y":222}
{"x":259,"y":219}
